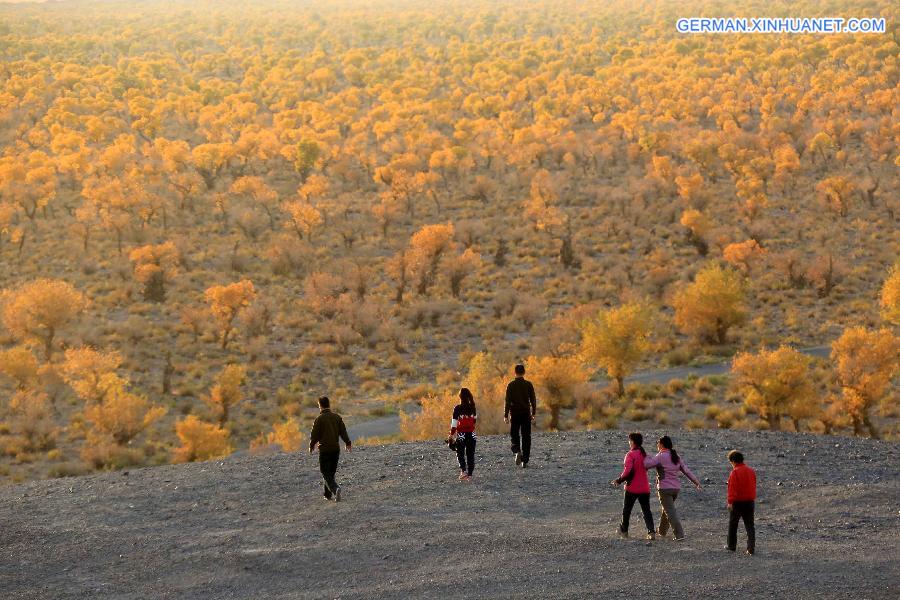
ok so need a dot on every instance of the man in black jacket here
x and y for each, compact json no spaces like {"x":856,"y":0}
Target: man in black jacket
{"x":327,"y":432}
{"x":521,"y":406}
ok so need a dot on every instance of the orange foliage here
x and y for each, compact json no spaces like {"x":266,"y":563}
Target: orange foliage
{"x":200,"y":441}
{"x":37,"y":311}
{"x":711,"y":305}
{"x":227,"y":301}
{"x":866,"y":362}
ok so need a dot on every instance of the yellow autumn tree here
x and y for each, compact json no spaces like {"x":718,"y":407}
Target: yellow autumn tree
{"x":32,"y":420}
{"x":866,"y":361}
{"x":36,"y":312}
{"x":690,"y":188}
{"x":461,"y":267}
{"x":835,"y":193}
{"x":286,"y":437}
{"x":426,"y":249}
{"x":115,"y":422}
{"x":540,"y":208}
{"x":200,"y":441}
{"x":890,"y":296}
{"x":618,"y":339}
{"x":776,"y":384}
{"x":259,"y":193}
{"x":711,"y":305}
{"x":556,"y":379}
{"x":315,"y":186}
{"x":432,"y":421}
{"x":86,"y":370}
{"x":28,"y":180}
{"x":8,"y":226}
{"x":697,"y":225}
{"x":743,"y":255}
{"x":226,"y":393}
{"x":226,"y":302}
{"x":122,"y":414}
{"x":303,"y":218}
{"x":20,"y":365}
{"x":486,"y":378}
{"x":154,"y":266}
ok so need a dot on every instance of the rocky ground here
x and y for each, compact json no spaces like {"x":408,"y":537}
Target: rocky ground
{"x":257,"y":527}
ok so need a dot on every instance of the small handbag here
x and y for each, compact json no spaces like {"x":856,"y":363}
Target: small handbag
{"x":451,"y":442}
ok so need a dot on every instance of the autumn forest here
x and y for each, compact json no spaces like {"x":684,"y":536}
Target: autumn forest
{"x":211,"y":214}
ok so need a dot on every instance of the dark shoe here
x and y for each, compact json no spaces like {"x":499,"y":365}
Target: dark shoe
{"x":751,"y":551}
{"x":518,"y":459}
{"x":727,"y":548}
{"x":524,"y":465}
{"x":327,"y":498}
{"x":681,"y":539}
{"x":337,"y":494}
{"x":623,"y":534}
{"x":651,"y":536}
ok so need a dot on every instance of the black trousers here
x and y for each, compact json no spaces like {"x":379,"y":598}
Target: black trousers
{"x":328,"y":464}
{"x":644,"y":500}
{"x":742,"y":510}
{"x":465,"y":451}
{"x":520,"y":426}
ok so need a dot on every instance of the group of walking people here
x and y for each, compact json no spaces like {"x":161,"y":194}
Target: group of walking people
{"x":520,"y":410}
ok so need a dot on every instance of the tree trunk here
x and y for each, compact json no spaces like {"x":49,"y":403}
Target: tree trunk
{"x":721,"y":332}
{"x":873,"y":431}
{"x":48,"y":344}
{"x":620,"y":386}
{"x":554,"y":417}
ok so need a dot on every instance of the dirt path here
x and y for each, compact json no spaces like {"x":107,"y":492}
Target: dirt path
{"x":390,"y":425}
{"x":257,"y":527}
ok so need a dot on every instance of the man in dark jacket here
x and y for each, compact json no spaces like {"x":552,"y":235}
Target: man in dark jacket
{"x":521,"y":406}
{"x":327,"y":432}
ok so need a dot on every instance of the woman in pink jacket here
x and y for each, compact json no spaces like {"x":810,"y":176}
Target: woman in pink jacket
{"x":637,"y":486}
{"x":668,"y":468}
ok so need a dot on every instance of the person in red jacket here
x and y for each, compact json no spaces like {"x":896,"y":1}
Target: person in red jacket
{"x":741,"y":501}
{"x":637,"y":486}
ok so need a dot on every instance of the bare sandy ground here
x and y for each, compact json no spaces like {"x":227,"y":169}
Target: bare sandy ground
{"x":257,"y":527}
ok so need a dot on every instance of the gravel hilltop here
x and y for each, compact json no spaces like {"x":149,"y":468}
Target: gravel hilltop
{"x":257,"y":527}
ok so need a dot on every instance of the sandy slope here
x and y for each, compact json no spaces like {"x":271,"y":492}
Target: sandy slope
{"x":257,"y":527}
